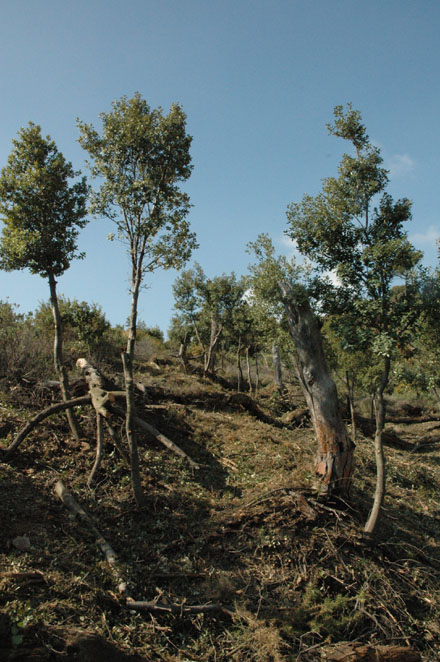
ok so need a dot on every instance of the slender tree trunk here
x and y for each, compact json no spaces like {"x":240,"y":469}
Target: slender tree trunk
{"x":240,"y":371}
{"x":335,"y":449}
{"x":182,"y":352}
{"x":379,"y":493}
{"x":127,"y":362}
{"x":350,"y":395}
{"x":211,"y":355}
{"x":58,"y":357}
{"x":278,"y":375}
{"x":248,"y":370}
{"x":257,"y":373}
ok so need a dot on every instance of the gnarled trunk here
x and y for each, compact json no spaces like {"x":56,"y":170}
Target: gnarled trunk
{"x":335,"y":449}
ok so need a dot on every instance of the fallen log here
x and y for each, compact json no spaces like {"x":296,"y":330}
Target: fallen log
{"x":104,"y":402}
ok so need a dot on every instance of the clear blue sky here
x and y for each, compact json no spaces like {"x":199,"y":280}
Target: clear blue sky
{"x":258,"y":80}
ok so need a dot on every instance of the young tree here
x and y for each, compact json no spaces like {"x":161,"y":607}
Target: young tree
{"x":271,"y":276}
{"x":207,"y":305}
{"x":42,"y":214}
{"x":141,"y":155}
{"x":341,"y":229}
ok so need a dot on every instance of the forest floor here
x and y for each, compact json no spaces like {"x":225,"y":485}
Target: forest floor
{"x":291,"y":576}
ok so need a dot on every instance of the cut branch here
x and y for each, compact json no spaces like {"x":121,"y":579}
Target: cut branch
{"x":110,"y":555}
{"x":160,"y":607}
{"x":49,"y":411}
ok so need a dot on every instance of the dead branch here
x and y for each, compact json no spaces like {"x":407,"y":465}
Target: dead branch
{"x":103,"y":401}
{"x":165,"y":441}
{"x":99,"y":448}
{"x":160,"y":607}
{"x":110,"y":555}
{"x":49,"y":411}
{"x":117,"y":442}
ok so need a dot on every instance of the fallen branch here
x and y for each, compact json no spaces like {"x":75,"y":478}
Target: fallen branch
{"x":49,"y":411}
{"x":160,"y":607}
{"x":165,"y":441}
{"x":110,"y":556}
{"x":103,"y":401}
{"x":99,"y":448}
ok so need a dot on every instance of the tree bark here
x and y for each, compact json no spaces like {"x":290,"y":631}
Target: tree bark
{"x":99,"y":449}
{"x":240,"y":371}
{"x":104,"y":402}
{"x":379,"y":493}
{"x":127,"y":362}
{"x":334,"y":462}
{"x":130,"y":432}
{"x":248,"y":370}
{"x":257,"y":373}
{"x":278,"y":375}
{"x":58,"y":357}
{"x":350,"y":395}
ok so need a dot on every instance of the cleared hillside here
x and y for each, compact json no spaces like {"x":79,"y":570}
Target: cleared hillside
{"x":289,"y":576}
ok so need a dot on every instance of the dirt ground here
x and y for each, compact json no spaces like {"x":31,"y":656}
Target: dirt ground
{"x":285,"y":575}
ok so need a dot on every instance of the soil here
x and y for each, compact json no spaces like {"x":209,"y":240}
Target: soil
{"x":290,"y":575}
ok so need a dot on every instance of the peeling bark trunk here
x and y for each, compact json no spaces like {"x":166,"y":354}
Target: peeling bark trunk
{"x":334,"y":462}
{"x":58,"y":357}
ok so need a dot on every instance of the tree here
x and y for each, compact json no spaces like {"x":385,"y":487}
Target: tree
{"x":354,"y":228}
{"x":42,"y":214}
{"x":85,"y":326}
{"x":275,"y":282}
{"x":207,"y":305}
{"x":141,"y":155}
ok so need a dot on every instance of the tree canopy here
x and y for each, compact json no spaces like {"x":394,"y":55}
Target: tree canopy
{"x":42,"y":213}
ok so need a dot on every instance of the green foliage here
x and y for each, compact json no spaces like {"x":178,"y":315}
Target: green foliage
{"x":264,"y":297}
{"x":85,"y":325}
{"x":356,"y":229}
{"x":141,"y":155}
{"x":207,"y":306}
{"x":40,"y":211}
{"x":23,"y":354}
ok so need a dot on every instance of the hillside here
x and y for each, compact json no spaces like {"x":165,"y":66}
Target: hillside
{"x":289,"y":576}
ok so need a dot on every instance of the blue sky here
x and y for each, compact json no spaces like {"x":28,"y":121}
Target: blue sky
{"x":258,"y":80}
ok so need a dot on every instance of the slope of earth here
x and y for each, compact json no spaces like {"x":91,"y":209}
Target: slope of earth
{"x":289,"y":576}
